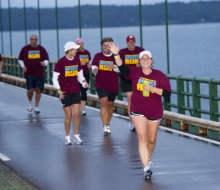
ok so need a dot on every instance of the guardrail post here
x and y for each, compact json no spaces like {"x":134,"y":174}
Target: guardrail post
{"x":180,"y":96}
{"x":196,"y":102}
{"x":213,"y":92}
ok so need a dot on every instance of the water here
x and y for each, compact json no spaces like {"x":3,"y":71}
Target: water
{"x":194,"y":48}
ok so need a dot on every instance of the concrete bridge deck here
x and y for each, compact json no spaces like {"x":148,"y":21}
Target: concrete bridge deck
{"x":34,"y":146}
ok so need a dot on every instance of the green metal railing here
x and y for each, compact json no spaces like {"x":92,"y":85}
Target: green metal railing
{"x":188,"y":93}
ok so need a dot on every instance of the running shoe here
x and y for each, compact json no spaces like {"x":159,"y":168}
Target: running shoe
{"x":105,"y":129}
{"x":131,"y":126}
{"x":148,"y":174}
{"x":77,"y":139}
{"x":30,"y":108}
{"x":36,"y":110}
{"x":108,"y":128}
{"x":83,"y":113}
{"x":67,"y":140}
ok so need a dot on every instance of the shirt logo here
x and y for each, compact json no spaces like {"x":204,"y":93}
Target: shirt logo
{"x":84,"y":58}
{"x":132,"y":59}
{"x":103,"y":65}
{"x":33,"y":54}
{"x":140,"y":83}
{"x":71,"y":71}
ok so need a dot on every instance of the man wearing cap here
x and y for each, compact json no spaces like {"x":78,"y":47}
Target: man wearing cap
{"x":129,"y":57}
{"x":33,"y":58}
{"x":85,"y":60}
{"x":66,"y":78}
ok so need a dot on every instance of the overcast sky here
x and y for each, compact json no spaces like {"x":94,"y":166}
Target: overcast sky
{"x":64,"y":3}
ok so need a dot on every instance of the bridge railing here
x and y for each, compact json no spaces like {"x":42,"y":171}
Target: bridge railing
{"x":193,"y":96}
{"x":194,"y":103}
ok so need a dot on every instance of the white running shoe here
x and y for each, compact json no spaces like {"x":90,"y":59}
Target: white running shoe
{"x":77,"y":139}
{"x":30,"y":108}
{"x":36,"y":110}
{"x":131,"y":126}
{"x":108,"y":128}
{"x":83,"y":113}
{"x":67,"y":140}
{"x":105,"y":129}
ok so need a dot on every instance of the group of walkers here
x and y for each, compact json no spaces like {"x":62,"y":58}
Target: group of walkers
{"x":143,"y":86}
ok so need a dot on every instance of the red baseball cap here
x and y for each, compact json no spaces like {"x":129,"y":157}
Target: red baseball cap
{"x":130,"y":38}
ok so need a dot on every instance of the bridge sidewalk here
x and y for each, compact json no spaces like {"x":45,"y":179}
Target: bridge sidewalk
{"x":40,"y":160}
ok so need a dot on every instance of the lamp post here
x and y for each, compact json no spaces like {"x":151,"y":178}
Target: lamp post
{"x":167,"y":38}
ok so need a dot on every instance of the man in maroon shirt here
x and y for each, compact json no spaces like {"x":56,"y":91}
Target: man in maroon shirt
{"x":33,"y":58}
{"x":129,"y":57}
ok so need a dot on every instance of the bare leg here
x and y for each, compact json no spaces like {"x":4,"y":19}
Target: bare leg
{"x":67,"y":120}
{"x":141,"y":125}
{"x":104,"y":110}
{"x":83,"y":104}
{"x":151,"y":136}
{"x":30,"y":94}
{"x":128,"y":95}
{"x":110,"y":110}
{"x":76,"y":116}
{"x":37,"y":97}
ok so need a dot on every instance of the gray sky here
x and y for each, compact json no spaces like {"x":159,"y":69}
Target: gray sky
{"x":64,"y":3}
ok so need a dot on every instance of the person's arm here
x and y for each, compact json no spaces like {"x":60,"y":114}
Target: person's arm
{"x":159,"y":91}
{"x":81,"y":79}
{"x":55,"y":80}
{"x":21,"y":63}
{"x":124,"y":69}
{"x":44,"y":63}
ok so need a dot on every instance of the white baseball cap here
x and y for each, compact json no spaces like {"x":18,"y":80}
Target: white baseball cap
{"x":71,"y":45}
{"x":145,"y":52}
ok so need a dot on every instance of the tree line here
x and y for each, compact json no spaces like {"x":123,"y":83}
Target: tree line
{"x":112,"y":16}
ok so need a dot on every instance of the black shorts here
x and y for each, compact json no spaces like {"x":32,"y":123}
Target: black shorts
{"x":141,"y":115}
{"x":35,"y":82}
{"x":126,"y":85}
{"x":104,"y":93}
{"x":70,"y":99}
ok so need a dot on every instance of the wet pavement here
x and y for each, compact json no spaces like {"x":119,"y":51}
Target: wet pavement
{"x":35,"y":146}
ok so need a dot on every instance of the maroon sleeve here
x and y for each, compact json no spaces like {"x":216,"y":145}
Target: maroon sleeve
{"x":45,"y":54}
{"x":164,"y":82}
{"x":22,"y":54}
{"x":57,"y":67}
{"x":0,"y":57}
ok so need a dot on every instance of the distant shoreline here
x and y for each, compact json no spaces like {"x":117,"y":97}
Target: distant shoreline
{"x":112,"y":16}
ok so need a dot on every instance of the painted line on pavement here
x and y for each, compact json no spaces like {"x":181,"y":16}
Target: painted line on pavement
{"x":3,"y":157}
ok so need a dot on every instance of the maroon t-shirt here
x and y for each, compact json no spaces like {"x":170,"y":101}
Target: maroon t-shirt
{"x":151,"y":107}
{"x":105,"y":78}
{"x":32,"y":56}
{"x":130,"y":58}
{"x":0,"y":57}
{"x":68,"y":70}
{"x":84,"y":57}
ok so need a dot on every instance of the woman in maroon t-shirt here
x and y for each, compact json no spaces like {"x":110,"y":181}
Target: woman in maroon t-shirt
{"x":106,"y":82}
{"x":146,"y":111}
{"x":66,"y":77}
